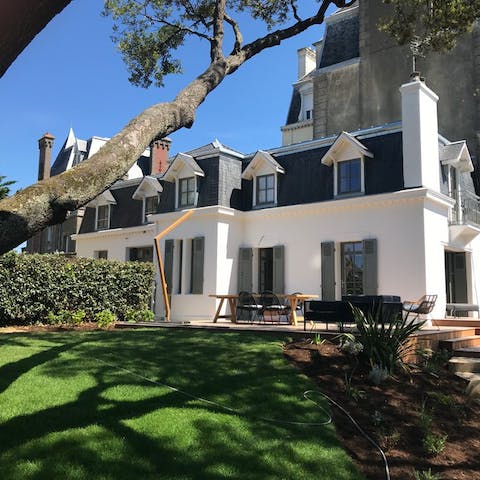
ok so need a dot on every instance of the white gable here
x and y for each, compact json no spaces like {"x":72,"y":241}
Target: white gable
{"x":148,"y":187}
{"x":105,"y":198}
{"x":183,"y":165}
{"x":345,"y":147}
{"x":262,"y":163}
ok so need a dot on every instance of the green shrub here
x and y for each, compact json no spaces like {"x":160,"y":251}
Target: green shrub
{"x":385,"y":340}
{"x":434,"y":444}
{"x":426,"y":475}
{"x":105,"y":318}
{"x":66,"y":317}
{"x":34,"y":285}
{"x":140,"y":315}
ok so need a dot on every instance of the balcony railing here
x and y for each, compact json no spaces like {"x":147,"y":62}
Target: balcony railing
{"x":466,"y":210}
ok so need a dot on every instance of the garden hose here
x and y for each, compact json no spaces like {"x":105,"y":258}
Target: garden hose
{"x":307,"y":395}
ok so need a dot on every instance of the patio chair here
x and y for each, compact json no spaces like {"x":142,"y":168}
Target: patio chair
{"x":247,"y":308}
{"x":422,"y":306}
{"x":272,"y":307}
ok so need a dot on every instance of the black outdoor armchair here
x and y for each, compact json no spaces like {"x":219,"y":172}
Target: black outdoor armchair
{"x":248,"y":308}
{"x":272,"y":308}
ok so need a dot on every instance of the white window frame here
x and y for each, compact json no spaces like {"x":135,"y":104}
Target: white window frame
{"x":99,"y":254}
{"x":362,"y":177}
{"x":108,"y":217}
{"x":306,"y":96}
{"x":144,"y":207}
{"x":178,"y":182}
{"x":255,"y":190}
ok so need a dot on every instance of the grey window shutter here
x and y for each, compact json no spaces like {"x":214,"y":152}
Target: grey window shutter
{"x":168,"y":264}
{"x":198,"y":247}
{"x":245,"y":269}
{"x":370,"y":270}
{"x":279,"y":269}
{"x":328,"y":270}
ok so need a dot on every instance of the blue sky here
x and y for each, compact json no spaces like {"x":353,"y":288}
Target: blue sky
{"x":72,"y":76}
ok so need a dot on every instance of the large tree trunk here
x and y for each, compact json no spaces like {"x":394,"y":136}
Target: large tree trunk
{"x":20,"y":21}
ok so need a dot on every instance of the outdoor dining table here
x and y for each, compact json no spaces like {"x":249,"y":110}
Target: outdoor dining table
{"x":232,"y":299}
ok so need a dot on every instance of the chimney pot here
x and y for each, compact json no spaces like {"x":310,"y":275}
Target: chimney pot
{"x":159,"y":149}
{"x":45,"y":145}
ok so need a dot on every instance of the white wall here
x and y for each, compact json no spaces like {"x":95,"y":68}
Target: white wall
{"x":411,"y":230}
{"x":220,"y":227}
{"x":114,"y":241}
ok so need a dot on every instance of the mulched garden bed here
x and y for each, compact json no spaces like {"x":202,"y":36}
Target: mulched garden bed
{"x":393,"y":412}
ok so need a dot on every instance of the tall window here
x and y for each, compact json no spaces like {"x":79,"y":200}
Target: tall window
{"x":186,"y":192}
{"x":103,"y":217}
{"x":265,"y":189}
{"x":352,"y":268}
{"x":151,"y":204}
{"x":349,"y":176}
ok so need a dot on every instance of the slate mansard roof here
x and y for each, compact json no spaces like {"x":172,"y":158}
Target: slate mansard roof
{"x":305,"y":178}
{"x":341,"y":41}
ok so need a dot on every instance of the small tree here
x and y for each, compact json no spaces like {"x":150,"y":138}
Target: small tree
{"x":4,"y":186}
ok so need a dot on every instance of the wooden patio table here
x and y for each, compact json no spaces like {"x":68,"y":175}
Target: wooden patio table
{"x":293,"y":298}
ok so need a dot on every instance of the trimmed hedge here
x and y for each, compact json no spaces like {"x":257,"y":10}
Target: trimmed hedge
{"x":32,"y":285}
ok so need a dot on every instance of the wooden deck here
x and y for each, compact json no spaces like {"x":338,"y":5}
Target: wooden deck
{"x":428,"y":337}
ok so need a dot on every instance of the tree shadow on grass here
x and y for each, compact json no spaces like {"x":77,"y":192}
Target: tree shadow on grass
{"x":105,"y":434}
{"x":11,"y":371}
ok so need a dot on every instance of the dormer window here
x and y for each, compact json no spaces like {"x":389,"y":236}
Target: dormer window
{"x":150,"y":206}
{"x":265,"y":189}
{"x":263,"y":170}
{"x":102,"y":205}
{"x":349,"y":176}
{"x":184,"y":171}
{"x":186,"y":192}
{"x":148,"y":192}
{"x":102,"y":217}
{"x":347,"y":157}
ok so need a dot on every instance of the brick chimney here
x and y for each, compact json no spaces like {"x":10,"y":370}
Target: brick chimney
{"x":159,"y":149}
{"x":45,"y":145}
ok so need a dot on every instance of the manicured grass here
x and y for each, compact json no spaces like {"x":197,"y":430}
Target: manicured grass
{"x":66,"y":414}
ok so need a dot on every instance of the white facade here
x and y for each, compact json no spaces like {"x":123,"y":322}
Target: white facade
{"x":413,"y":231}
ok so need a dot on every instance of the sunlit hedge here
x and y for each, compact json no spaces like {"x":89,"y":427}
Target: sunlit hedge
{"x":31,"y":286}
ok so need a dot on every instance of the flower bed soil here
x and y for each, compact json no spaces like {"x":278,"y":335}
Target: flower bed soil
{"x":390,"y":414}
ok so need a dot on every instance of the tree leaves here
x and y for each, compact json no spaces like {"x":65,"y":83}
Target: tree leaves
{"x":149,"y":32}
{"x":430,"y":25}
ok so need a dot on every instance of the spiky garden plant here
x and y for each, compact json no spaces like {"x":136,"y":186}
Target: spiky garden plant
{"x":385,"y":339}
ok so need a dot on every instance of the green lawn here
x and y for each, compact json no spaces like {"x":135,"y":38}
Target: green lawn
{"x":66,"y":414}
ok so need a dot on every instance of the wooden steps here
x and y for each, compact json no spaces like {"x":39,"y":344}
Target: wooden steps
{"x":464,"y":345}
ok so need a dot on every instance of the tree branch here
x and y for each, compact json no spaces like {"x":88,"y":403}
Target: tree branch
{"x":294,"y":11}
{"x":20,"y":22}
{"x":216,"y":51}
{"x":238,"y":34}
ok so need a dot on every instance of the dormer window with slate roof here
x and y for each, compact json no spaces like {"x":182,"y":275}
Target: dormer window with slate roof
{"x":148,"y":192}
{"x":263,"y":170}
{"x":347,"y":157}
{"x":102,"y":205}
{"x":184,"y":171}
